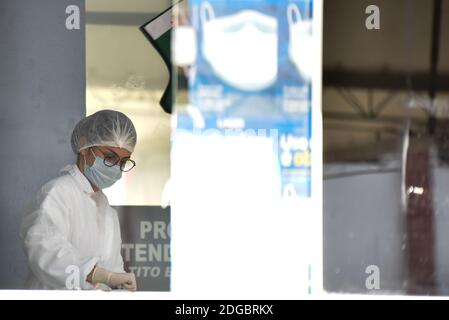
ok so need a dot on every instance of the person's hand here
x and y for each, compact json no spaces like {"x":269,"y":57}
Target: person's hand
{"x":127,"y":280}
{"x":114,"y":280}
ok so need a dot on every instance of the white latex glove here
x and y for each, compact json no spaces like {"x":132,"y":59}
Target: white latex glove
{"x":114,"y":280}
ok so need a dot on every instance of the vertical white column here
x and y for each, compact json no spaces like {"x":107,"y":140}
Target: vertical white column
{"x":232,"y":235}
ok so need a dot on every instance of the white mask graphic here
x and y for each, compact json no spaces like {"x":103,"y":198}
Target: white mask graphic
{"x":300,"y":40}
{"x":241,"y":48}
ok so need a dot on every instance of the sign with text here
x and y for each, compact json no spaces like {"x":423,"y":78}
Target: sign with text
{"x":146,"y":245}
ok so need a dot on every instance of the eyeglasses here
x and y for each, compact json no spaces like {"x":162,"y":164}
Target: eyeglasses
{"x":113,"y":159}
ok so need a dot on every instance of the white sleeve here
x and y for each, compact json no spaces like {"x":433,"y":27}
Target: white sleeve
{"x":118,"y":265}
{"x":52,"y":258}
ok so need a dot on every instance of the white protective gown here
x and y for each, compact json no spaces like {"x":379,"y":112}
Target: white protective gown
{"x":70,"y":227}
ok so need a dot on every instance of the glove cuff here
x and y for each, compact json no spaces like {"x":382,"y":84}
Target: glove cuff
{"x":101,"y":275}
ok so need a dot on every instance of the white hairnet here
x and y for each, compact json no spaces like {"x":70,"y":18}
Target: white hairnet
{"x":104,"y":128}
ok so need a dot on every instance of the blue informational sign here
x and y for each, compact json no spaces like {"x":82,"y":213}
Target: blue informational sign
{"x":294,"y":90}
{"x":253,"y":70}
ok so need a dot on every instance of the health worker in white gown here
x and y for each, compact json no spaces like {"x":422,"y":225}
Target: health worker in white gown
{"x":70,"y":233}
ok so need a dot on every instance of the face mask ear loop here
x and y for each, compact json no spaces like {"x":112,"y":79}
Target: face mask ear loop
{"x":85,"y":163}
{"x":95,"y":156}
{"x":84,"y":157}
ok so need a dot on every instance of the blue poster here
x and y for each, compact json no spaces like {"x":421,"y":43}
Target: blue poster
{"x":253,"y":71}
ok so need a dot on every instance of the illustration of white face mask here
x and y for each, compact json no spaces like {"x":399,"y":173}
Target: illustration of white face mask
{"x":241,"y":48}
{"x":300,"y":40}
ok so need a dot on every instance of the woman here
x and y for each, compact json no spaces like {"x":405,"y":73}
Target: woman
{"x":71,"y":234}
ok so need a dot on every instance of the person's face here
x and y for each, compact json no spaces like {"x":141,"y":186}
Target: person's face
{"x":116,"y":154}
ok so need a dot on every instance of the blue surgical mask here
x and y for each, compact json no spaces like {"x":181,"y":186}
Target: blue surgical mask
{"x":100,"y":174}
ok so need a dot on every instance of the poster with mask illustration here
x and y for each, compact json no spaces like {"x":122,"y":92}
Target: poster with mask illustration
{"x":236,"y":68}
{"x":252,"y":71}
